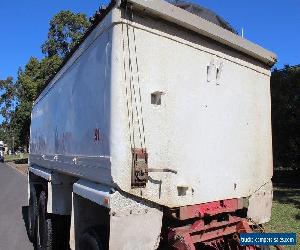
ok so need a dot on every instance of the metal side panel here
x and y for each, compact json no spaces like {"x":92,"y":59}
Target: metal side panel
{"x":92,"y":168}
{"x":71,"y":120}
{"x":195,"y":23}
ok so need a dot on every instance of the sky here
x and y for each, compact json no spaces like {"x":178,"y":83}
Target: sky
{"x":275,"y":25}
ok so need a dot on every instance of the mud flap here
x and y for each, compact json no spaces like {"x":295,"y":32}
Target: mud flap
{"x":260,"y":204}
{"x":135,"y":224}
{"x":134,"y":231}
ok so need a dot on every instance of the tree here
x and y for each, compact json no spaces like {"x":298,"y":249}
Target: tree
{"x":66,"y":30}
{"x":33,"y":79}
{"x":30,"y":83}
{"x":49,"y":67}
{"x":7,"y":97}
{"x":3,"y":133}
{"x":16,"y":99}
{"x":285,"y":92}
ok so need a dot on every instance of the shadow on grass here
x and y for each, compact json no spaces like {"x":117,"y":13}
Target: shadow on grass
{"x":287,"y":188}
{"x":21,"y":161}
{"x":286,"y":178}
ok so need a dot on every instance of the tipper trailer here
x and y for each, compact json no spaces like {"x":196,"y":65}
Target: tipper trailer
{"x":154,"y":134}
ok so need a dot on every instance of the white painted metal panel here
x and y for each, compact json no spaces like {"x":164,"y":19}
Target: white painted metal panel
{"x":216,"y":134}
{"x":213,"y":125}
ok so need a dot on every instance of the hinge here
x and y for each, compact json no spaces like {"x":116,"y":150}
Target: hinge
{"x":139,"y":176}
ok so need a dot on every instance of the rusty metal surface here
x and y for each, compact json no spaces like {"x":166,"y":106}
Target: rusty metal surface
{"x":139,"y":176}
{"x":212,"y":224}
{"x":208,"y":234}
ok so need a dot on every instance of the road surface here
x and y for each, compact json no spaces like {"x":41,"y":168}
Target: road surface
{"x":13,"y":199}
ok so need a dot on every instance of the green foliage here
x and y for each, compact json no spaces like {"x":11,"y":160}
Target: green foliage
{"x":7,"y":97}
{"x":3,"y":133}
{"x":31,"y":81}
{"x":66,"y":29}
{"x":8,"y":103}
{"x":16,"y":99}
{"x":285,"y":92}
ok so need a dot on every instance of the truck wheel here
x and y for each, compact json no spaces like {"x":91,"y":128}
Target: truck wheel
{"x":32,"y":215}
{"x":44,"y":226}
{"x":93,"y":239}
{"x":60,"y":232}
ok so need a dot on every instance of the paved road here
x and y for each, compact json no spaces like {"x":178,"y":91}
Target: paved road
{"x":13,"y":196}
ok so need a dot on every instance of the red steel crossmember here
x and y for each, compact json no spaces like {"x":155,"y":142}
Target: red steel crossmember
{"x":185,"y":237}
{"x":210,"y":208}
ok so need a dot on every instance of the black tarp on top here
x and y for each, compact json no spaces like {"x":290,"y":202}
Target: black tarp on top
{"x":204,"y":13}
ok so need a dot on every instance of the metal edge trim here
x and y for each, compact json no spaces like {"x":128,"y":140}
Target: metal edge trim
{"x":94,"y":192}
{"x":41,"y":172}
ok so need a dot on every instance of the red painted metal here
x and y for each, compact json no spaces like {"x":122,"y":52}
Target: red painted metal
{"x":199,"y":232}
{"x":243,"y":227}
{"x":212,"y":233}
{"x":210,"y":208}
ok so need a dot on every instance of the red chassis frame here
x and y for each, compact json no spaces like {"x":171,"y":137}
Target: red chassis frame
{"x":210,"y":234}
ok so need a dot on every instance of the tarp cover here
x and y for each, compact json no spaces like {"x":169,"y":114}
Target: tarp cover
{"x":203,"y":12}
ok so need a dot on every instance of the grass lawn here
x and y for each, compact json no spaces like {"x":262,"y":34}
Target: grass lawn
{"x":15,"y":157}
{"x":286,"y":212}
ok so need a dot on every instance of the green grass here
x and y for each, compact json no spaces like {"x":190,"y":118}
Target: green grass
{"x":15,"y":157}
{"x":286,"y":213}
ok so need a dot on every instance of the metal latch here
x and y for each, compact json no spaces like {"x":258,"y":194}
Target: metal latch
{"x":140,"y":169}
{"x":139,"y":176}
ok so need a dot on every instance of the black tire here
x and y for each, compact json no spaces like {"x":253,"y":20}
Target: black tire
{"x":61,"y":232}
{"x":44,"y":226}
{"x":32,"y":215}
{"x":93,"y":239}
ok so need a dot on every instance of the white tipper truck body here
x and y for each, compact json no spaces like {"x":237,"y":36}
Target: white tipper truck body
{"x":157,"y":108}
